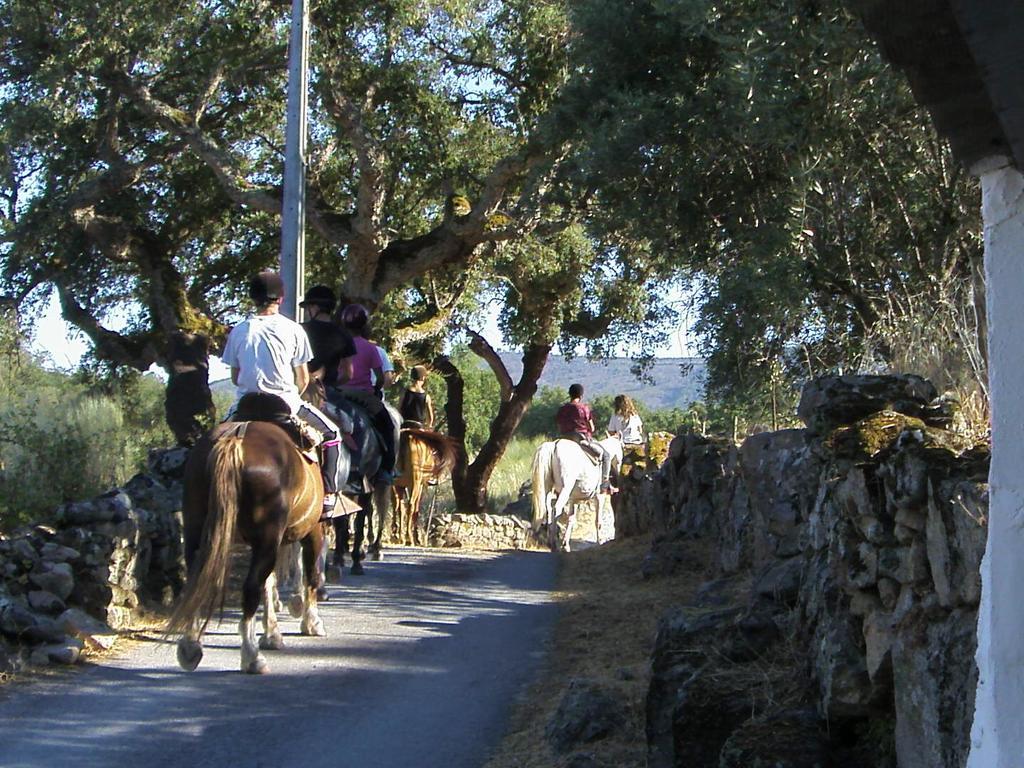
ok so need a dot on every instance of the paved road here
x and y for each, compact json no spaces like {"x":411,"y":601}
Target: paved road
{"x":425,"y":655}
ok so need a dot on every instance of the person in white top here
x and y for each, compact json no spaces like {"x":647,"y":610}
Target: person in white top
{"x":268,"y":353}
{"x":625,"y":423}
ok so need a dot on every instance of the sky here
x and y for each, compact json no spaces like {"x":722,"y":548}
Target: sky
{"x":62,"y":347}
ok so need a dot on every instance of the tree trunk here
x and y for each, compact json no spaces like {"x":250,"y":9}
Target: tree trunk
{"x":469,"y":482}
{"x":455,"y":416}
{"x":188,"y":402}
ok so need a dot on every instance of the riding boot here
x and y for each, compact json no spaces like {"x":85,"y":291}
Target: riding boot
{"x":606,"y":465}
{"x":329,"y":450}
{"x":386,"y":428}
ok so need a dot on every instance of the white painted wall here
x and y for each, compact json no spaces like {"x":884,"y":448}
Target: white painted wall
{"x":997,"y":735}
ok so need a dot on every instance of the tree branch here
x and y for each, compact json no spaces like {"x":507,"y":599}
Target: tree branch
{"x":482,"y":349}
{"x":220,"y":162}
{"x":138,"y":352}
{"x":369,"y":157}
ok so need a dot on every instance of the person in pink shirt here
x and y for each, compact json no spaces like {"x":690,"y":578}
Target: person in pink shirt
{"x":357,"y":387}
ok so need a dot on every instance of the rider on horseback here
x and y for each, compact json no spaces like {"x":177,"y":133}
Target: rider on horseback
{"x":358,"y":386}
{"x":576,"y":422}
{"x":416,"y":407}
{"x":332,"y":346}
{"x":268,"y":353}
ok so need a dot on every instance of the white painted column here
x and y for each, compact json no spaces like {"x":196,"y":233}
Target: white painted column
{"x":997,"y":735}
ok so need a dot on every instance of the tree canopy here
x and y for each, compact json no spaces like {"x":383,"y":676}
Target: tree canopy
{"x":770,"y":154}
{"x":566,"y":161}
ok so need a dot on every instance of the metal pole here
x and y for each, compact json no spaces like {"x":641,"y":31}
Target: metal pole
{"x":293,"y":212}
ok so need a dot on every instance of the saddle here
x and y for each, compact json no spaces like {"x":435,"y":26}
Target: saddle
{"x":260,"y":406}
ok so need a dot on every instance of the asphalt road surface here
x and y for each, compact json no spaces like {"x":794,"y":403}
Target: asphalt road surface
{"x":425,"y":654}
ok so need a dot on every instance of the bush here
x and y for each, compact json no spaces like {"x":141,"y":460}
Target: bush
{"x":64,"y":439}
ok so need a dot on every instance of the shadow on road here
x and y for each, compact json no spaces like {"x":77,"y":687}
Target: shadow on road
{"x":425,"y":655}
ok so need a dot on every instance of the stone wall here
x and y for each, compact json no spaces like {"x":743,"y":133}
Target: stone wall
{"x":487,"y":532}
{"x":72,"y":584}
{"x":861,"y":539}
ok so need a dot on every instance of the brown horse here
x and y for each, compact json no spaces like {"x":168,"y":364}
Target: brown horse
{"x":246,"y":480}
{"x":424,"y":456}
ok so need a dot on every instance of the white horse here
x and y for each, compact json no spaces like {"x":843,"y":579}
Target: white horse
{"x":563,"y":468}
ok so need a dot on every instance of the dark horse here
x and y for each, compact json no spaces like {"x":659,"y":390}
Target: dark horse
{"x":369,"y":492}
{"x":246,"y":479}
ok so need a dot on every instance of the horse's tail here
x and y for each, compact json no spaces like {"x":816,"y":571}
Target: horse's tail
{"x":541,"y":470}
{"x":204,"y":589}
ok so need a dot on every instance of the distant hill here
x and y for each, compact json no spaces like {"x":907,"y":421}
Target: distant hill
{"x":678,"y":381}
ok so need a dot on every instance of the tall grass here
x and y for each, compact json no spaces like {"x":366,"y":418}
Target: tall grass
{"x":512,"y":471}
{"x":508,"y":477}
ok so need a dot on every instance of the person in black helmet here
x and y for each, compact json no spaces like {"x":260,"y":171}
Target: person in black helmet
{"x":269,"y":353}
{"x":333,"y":348}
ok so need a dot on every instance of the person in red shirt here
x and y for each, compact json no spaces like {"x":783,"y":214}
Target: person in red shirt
{"x":576,"y":422}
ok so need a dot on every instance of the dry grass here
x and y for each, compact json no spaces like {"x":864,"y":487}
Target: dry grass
{"x":605,"y":633}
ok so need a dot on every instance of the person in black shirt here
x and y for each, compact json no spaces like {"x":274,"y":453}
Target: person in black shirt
{"x":332,"y":345}
{"x":416,"y":408}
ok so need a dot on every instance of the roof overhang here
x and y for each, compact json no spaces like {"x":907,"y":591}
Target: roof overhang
{"x":964,"y":61}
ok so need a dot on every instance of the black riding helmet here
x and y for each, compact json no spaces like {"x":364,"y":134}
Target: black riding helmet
{"x":321,"y":296}
{"x":266,"y":287}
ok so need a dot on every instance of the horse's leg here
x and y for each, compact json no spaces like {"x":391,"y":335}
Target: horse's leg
{"x":371,"y":526}
{"x":271,"y":640}
{"x":415,"y":502}
{"x":358,"y":535}
{"x":570,"y":523}
{"x":400,"y":494}
{"x":381,"y":507}
{"x":321,"y":565}
{"x":561,"y":502}
{"x":312,"y":545}
{"x":341,"y":540}
{"x":332,"y":573}
{"x":286,"y":574}
{"x":264,"y":557}
{"x":190,"y":649}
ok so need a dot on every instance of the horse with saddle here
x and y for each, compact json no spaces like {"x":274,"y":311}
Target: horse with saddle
{"x":255,"y":478}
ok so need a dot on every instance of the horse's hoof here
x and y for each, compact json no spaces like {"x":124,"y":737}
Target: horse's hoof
{"x":272,"y":642}
{"x":314,"y":628}
{"x":357,"y":569}
{"x":258,"y":666}
{"x":377,"y":556}
{"x":322,"y":595}
{"x":333,"y":574}
{"x":295,"y":606}
{"x":190,"y":653}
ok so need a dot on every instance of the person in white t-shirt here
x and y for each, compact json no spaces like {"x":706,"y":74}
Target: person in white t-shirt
{"x":268,"y":353}
{"x":626,"y":424}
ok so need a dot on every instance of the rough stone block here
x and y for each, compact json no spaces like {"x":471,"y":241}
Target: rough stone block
{"x":934,"y":684}
{"x":57,"y":578}
{"x":587,"y":712}
{"x":878,"y":639}
{"x":90,"y":630}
